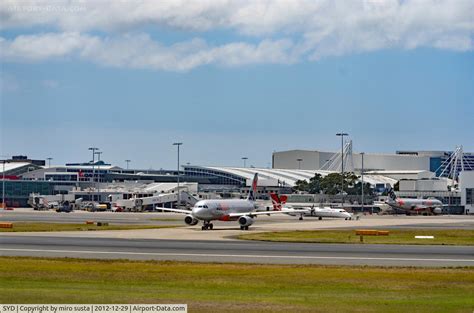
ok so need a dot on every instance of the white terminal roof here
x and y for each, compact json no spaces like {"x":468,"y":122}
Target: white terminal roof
{"x":89,"y":167}
{"x":137,"y":187}
{"x":270,"y":177}
{"x":13,"y":165}
{"x":384,"y":172}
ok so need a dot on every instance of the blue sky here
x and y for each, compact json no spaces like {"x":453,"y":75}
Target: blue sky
{"x":242,"y":98}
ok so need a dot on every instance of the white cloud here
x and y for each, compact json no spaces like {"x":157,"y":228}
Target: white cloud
{"x":140,"y":51}
{"x":43,"y":46}
{"x":286,"y":31}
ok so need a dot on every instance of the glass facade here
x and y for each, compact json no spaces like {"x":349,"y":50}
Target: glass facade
{"x":60,"y":177}
{"x":470,"y":196}
{"x":440,"y":164}
{"x":18,"y":191}
{"x":435,"y":165}
{"x":87,"y":174}
{"x":218,"y":177}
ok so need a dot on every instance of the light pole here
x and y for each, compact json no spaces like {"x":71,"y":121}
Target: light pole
{"x":245,"y":161}
{"x":128,"y":162}
{"x":299,"y":163}
{"x":362,"y":183}
{"x":93,"y":149}
{"x":179,"y":193}
{"x":49,"y":161}
{"x":98,"y":169}
{"x":3,"y":186}
{"x":342,"y":134}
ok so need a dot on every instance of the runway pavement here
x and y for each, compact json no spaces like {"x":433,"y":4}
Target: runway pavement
{"x":222,"y":230}
{"x":237,"y":251}
{"x":220,"y":245}
{"x":49,"y":216}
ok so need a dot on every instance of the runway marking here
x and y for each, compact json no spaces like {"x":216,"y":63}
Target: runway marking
{"x":239,"y":255}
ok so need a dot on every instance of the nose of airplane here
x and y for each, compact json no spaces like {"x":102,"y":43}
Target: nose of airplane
{"x":200,"y":212}
{"x":196,"y":211}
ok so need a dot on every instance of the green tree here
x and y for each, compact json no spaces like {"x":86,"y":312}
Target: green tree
{"x":312,"y":187}
{"x":396,"y":187}
{"x":315,"y":184}
{"x":301,"y":185}
{"x":331,"y":184}
{"x":356,"y":190}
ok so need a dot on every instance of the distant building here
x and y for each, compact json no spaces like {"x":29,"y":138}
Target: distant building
{"x":25,"y":159}
{"x":467,"y":191}
{"x":270,"y":179}
{"x":77,"y":172}
{"x":432,"y":161}
{"x":12,"y":170}
{"x":439,"y":160}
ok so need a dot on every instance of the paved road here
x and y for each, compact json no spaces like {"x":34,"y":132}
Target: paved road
{"x":401,"y":221}
{"x":237,"y":251}
{"x":28,"y":215}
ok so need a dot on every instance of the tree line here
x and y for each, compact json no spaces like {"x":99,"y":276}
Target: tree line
{"x":331,"y":185}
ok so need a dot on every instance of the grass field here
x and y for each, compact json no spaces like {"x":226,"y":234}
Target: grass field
{"x":237,"y":287}
{"x":29,"y":227}
{"x":397,"y":236}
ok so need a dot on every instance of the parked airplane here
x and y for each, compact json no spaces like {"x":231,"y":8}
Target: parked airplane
{"x":413,"y":205}
{"x":241,"y":210}
{"x":306,"y":210}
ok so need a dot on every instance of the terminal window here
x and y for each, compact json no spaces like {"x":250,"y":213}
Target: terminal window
{"x":470,"y":196}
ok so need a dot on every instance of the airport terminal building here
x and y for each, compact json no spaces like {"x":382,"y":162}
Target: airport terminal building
{"x":432,"y":161}
{"x":418,"y":174}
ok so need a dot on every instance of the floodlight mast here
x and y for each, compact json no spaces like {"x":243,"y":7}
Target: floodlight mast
{"x":342,"y":134}
{"x":178,"y":144}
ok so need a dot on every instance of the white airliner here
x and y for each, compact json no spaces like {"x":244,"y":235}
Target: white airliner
{"x":412,"y":205}
{"x":305,"y":210}
{"x":241,"y":210}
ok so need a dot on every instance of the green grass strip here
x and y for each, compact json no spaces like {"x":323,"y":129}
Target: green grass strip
{"x":239,"y":288}
{"x":48,"y":227}
{"x":396,"y":236}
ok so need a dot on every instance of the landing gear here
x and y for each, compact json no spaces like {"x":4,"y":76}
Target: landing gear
{"x":244,"y":228}
{"x":207,"y":225}
{"x":301,"y":217}
{"x":320,"y":218}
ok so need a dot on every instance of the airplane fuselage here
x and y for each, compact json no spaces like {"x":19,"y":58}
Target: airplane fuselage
{"x":209,"y":210}
{"x":412,"y":204}
{"x":323,"y":212}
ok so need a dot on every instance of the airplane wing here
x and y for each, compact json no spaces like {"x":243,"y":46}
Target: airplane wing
{"x":267,"y":213}
{"x":175,"y":210}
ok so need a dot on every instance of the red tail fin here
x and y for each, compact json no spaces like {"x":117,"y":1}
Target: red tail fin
{"x":253,"y":192}
{"x":278,"y":201}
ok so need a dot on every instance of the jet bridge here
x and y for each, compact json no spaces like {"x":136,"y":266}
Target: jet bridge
{"x":154,"y":202}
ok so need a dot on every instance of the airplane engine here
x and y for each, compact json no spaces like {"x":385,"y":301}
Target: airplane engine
{"x":190,"y":220}
{"x":437,"y":211}
{"x":245,"y":221}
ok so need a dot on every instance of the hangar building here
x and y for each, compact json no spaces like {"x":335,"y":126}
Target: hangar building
{"x":433,"y":161}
